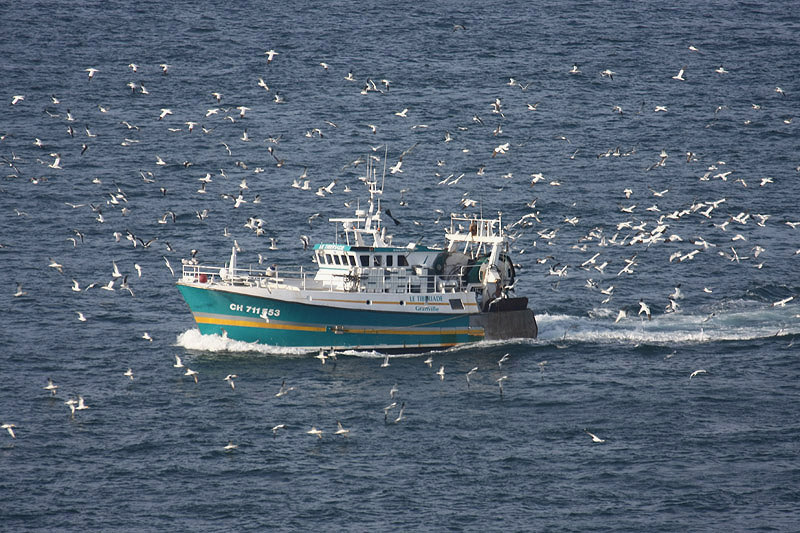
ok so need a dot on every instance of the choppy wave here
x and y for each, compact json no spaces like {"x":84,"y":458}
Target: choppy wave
{"x":725,"y":325}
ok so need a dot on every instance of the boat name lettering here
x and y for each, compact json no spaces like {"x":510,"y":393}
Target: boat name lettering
{"x":260,"y":311}
{"x":427,"y":298}
{"x":426,"y":308}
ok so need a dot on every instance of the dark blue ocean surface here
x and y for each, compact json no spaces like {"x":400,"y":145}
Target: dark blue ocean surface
{"x":690,"y":107}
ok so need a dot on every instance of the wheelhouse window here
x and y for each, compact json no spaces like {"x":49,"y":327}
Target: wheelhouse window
{"x":352,"y":260}
{"x":402,"y":261}
{"x":389,"y":260}
{"x":337,"y":260}
{"x":328,"y":259}
{"x":377,"y":260}
{"x":364,"y":260}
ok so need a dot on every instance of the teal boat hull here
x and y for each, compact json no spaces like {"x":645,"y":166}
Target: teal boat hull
{"x":282,"y":323}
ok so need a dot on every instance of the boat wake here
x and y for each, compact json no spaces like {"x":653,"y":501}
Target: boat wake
{"x":674,"y":328}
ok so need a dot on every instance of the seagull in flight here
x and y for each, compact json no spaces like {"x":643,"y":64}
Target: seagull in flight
{"x":315,"y":431}
{"x":178,"y":362}
{"x":341,"y":430}
{"x":595,"y":438}
{"x":679,"y":75}
{"x":229,"y":378}
{"x":52,"y":387}
{"x":696,"y":372}
{"x":643,"y":308}
{"x":475,"y":369}
{"x":10,"y":429}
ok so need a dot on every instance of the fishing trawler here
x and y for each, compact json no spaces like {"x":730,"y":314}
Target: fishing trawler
{"x":367,"y":294}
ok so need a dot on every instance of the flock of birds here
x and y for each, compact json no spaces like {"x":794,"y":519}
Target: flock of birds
{"x":65,"y":148}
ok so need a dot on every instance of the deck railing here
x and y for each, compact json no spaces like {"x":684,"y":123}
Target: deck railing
{"x":370,"y":280}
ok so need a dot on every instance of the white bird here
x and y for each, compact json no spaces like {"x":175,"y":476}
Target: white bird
{"x":400,"y":416}
{"x":393,"y":391}
{"x":129,"y":373}
{"x":595,"y":438}
{"x":81,"y":404}
{"x":10,"y":429}
{"x":230,"y":446}
{"x":52,"y":387}
{"x":502,"y":360}
{"x":782,"y":303}
{"x":71,"y":403}
{"x":315,"y":431}
{"x":500,"y":381}
{"x":190,"y":372}
{"x":166,"y":261}
{"x":92,"y":71}
{"x":403,"y":113}
{"x":622,"y":314}
{"x":81,"y":316}
{"x":17,"y":98}
{"x":19,"y":292}
{"x":643,"y":308}
{"x":696,"y":372}
{"x":270,"y":55}
{"x":321,"y":356}
{"x":385,"y":362}
{"x":229,"y":378}
{"x":146,"y":336}
{"x":277,"y":427}
{"x":164,"y":112}
{"x":679,"y":75}
{"x":284,"y":390}
{"x":429,"y":361}
{"x":341,"y":430}
{"x":475,"y":369}
{"x":440,"y":372}
{"x":178,"y":362}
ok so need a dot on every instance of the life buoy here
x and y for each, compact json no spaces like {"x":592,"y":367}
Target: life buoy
{"x":202,"y":278}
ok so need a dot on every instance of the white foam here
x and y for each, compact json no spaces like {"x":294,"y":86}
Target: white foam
{"x":673,"y":328}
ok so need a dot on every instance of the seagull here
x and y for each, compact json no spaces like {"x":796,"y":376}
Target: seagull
{"x":475,"y":369}
{"x":284,"y":390}
{"x":403,"y":113}
{"x":321,"y":356}
{"x":385,"y":362}
{"x":92,"y":71}
{"x":129,"y":373}
{"x":502,"y":360}
{"x":57,"y":266}
{"x":782,"y":303}
{"x":168,"y":265}
{"x":71,"y":403}
{"x":229,"y":378}
{"x":19,"y":292}
{"x":81,"y":405}
{"x":679,"y":75}
{"x":230,"y":446}
{"x":622,"y":314}
{"x":341,"y":430}
{"x":429,"y":361}
{"x":276,"y":428}
{"x":81,"y":317}
{"x":164,"y":112}
{"x":17,"y":98}
{"x":393,"y":391}
{"x":10,"y":429}
{"x":701,"y":371}
{"x":401,"y":417}
{"x":500,"y":381}
{"x":178,"y":362}
{"x":595,"y":438}
{"x":146,"y":336}
{"x":644,"y":309}
{"x":315,"y":431}
{"x":270,"y":55}
{"x":190,"y":372}
{"x":51,"y":386}
{"x":440,"y":372}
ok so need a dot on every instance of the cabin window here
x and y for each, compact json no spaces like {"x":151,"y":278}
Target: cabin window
{"x":455,"y":304}
{"x":328,"y":259}
{"x":401,"y":261}
{"x":389,"y":260}
{"x":337,"y":260}
{"x":364,"y":260}
{"x":376,"y":260}
{"x":352,"y":260}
